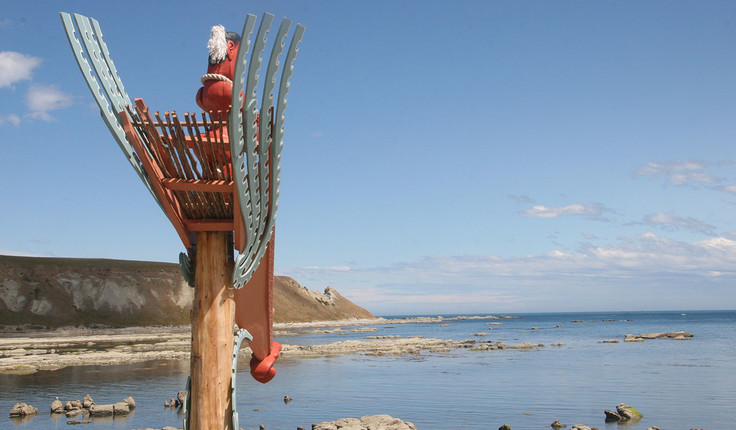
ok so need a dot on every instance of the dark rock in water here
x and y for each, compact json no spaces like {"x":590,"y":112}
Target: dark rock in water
{"x":22,"y":410}
{"x":287,"y":399}
{"x":612,"y":416}
{"x":181,"y":398}
{"x":71,"y":423}
{"x":383,"y":422}
{"x":505,"y":427}
{"x":557,"y":425}
{"x":57,"y":407}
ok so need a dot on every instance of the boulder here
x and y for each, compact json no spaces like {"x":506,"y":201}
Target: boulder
{"x":130,"y":402}
{"x":101,"y":410}
{"x":623,"y":412}
{"x":181,"y":398}
{"x":580,"y":427}
{"x":628,"y":412}
{"x":57,"y":407}
{"x":120,"y":408}
{"x":22,"y":410}
{"x":75,"y":412}
{"x":87,"y":401}
{"x":505,"y":427}
{"x":612,"y":416}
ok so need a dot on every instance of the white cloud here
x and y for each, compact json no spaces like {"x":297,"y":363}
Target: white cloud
{"x":729,"y":189}
{"x":590,"y":211}
{"x":672,"y":223}
{"x":645,"y":272}
{"x":42,"y":99}
{"x":15,"y":67}
{"x":678,"y":173}
{"x":12,"y":119}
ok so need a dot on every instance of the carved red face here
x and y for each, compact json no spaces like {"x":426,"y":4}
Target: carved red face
{"x":216,"y":94}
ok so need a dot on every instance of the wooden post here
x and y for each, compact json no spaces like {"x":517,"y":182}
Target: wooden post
{"x":213,"y":316}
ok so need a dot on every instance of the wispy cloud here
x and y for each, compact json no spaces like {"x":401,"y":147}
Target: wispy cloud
{"x":645,"y":272}
{"x":678,"y":173}
{"x":12,"y":119}
{"x":593,"y":211}
{"x":674,"y":223}
{"x":520,"y":199}
{"x":16,"y":67}
{"x":42,"y":99}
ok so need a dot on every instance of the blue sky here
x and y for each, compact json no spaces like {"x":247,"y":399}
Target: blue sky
{"x":440,"y":156}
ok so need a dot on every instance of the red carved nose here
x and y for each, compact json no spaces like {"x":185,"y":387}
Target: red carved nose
{"x":215,"y":96}
{"x":262,"y":370}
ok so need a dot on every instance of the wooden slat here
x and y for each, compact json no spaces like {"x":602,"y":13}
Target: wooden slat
{"x":203,"y":185}
{"x":171,"y":208}
{"x":191,"y":156}
{"x":209,"y":224}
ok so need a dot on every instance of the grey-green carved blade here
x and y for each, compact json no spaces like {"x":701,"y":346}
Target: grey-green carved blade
{"x":250,"y":130}
{"x":265,"y":124}
{"x":112,"y":85}
{"x":248,"y":260}
{"x":239,"y":337}
{"x":236,"y":130}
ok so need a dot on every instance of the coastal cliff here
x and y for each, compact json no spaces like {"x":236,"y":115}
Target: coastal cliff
{"x":54,"y":292}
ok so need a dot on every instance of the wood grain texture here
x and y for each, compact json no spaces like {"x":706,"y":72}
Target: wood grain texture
{"x":213,"y":316}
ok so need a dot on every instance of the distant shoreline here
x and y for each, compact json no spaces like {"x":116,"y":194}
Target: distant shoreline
{"x":25,"y":350}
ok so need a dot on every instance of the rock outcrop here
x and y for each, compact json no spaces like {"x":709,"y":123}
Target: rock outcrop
{"x":623,"y":412}
{"x":21,"y":410}
{"x":55,"y":292}
{"x":384,"y":422}
{"x":677,"y":335}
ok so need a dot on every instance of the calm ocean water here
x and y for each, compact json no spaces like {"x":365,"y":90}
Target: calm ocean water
{"x":675,"y":384}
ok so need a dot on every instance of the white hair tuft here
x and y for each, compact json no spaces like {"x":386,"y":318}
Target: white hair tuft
{"x":217,"y":44}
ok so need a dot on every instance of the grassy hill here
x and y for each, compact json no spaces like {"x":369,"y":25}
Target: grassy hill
{"x":55,"y":292}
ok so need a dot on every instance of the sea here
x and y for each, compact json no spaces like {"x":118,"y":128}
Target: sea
{"x":675,"y":384}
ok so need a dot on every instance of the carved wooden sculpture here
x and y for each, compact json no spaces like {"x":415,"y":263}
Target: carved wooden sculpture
{"x":216,"y":177}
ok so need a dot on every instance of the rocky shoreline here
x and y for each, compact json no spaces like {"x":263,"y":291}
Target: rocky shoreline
{"x":28,"y":351}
